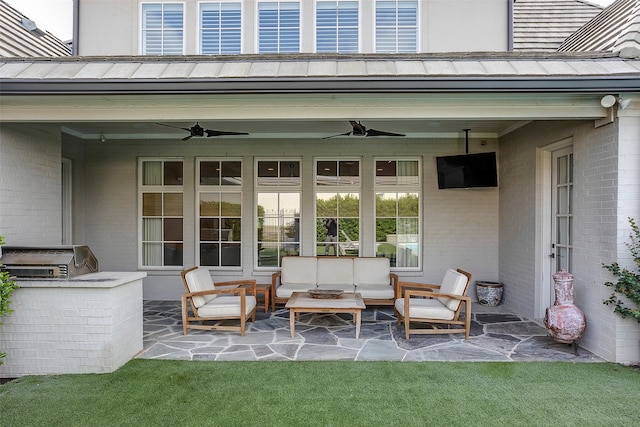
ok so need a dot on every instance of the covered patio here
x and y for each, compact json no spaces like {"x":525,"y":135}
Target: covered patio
{"x":496,"y":335}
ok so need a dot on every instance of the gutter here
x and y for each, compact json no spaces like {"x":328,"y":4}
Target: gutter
{"x":306,"y":85}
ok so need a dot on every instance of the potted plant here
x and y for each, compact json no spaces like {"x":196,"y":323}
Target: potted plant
{"x":7,"y":285}
{"x":628,"y":284}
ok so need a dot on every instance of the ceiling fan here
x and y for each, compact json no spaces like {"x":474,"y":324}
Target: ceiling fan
{"x":197,"y":130}
{"x":360,"y":130}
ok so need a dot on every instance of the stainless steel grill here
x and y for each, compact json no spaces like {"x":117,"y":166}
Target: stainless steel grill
{"x":49,"y":262}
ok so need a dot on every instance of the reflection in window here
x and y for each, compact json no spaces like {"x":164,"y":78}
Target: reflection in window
{"x":278,"y":227}
{"x":278,"y":173}
{"x":397,"y":228}
{"x":341,"y":238}
{"x":161,"y":213}
{"x":338,"y":172}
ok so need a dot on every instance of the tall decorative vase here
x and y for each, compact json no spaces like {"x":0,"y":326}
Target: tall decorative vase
{"x":564,"y":321}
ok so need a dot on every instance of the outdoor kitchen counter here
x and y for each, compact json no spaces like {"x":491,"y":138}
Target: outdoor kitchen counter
{"x":103,"y":279}
{"x":90,"y":323}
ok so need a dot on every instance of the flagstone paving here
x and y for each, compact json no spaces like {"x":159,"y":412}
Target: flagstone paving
{"x":496,"y":335}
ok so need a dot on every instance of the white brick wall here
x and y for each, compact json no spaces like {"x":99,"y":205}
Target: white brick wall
{"x":82,"y":329}
{"x":30,"y":180}
{"x":600,"y":225}
{"x":460,"y":226}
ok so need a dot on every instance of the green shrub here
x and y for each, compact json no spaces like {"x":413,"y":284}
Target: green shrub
{"x":628,"y":283}
{"x":6,"y":288}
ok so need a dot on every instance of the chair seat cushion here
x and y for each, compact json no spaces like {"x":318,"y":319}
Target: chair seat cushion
{"x":226,"y":306}
{"x":424,"y":308}
{"x":375,"y":291}
{"x":285,"y":291}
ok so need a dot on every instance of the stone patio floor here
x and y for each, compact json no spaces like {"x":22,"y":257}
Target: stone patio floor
{"x":496,"y":335}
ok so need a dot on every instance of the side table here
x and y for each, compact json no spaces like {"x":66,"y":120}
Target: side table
{"x":265,"y":290}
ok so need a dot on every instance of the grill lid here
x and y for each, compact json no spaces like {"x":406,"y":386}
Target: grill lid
{"x":59,"y":261}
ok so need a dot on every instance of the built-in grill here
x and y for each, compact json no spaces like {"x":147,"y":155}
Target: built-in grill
{"x":48,"y":262}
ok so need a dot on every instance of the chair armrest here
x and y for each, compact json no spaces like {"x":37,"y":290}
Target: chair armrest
{"x":428,"y":294}
{"x":232,"y":291}
{"x":274,"y":281}
{"x":413,"y":285}
{"x":232,"y":284}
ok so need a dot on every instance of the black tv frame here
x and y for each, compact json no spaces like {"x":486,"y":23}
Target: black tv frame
{"x":475,"y":170}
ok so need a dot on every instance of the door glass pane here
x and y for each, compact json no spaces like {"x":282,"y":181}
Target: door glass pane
{"x":231,"y":204}
{"x":210,"y":204}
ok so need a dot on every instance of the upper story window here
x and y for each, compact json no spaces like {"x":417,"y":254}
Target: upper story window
{"x":278,"y":27}
{"x":220,"y":28}
{"x":337,"y":26}
{"x":396,"y":26}
{"x":162,"y":29}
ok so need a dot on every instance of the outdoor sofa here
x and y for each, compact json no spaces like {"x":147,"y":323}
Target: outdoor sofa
{"x":369,"y":276}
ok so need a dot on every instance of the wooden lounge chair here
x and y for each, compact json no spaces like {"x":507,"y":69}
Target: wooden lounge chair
{"x":216,"y":302}
{"x":435,"y":304}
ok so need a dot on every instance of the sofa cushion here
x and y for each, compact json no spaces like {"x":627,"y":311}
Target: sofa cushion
{"x":285,"y":291}
{"x":375,"y":291}
{"x":200,"y":280}
{"x":299,"y":270}
{"x":226,"y":306}
{"x":335,"y":271}
{"x":343,"y":287}
{"x":452,"y":283}
{"x":425,"y":308}
{"x":371,"y":271}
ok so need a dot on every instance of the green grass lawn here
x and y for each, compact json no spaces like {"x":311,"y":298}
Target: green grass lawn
{"x":168,"y":393}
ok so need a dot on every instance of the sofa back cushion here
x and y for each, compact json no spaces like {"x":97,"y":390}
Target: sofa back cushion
{"x":335,"y":271}
{"x":200,"y":280}
{"x":299,"y":270}
{"x":452,"y":283}
{"x":371,"y":271}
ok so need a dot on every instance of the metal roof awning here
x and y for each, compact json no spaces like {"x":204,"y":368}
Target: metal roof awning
{"x":424,"y":73}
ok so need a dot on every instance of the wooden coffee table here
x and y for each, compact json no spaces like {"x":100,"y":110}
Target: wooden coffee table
{"x":303,"y":302}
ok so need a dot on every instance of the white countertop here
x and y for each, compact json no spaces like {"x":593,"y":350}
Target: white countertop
{"x":102,"y":279}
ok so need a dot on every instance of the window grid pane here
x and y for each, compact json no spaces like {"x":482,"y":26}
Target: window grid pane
{"x":278,"y":27}
{"x":219,"y":213}
{"x":278,"y":227}
{"x":220,"y":28}
{"x":162,"y":29}
{"x":337,"y":26}
{"x":161,"y":213}
{"x":397,"y":26}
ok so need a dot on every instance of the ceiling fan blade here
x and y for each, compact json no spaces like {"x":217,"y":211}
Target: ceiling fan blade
{"x":175,"y":127}
{"x":186,"y":138}
{"x":211,"y":133}
{"x":340,"y":134}
{"x":373,"y":132}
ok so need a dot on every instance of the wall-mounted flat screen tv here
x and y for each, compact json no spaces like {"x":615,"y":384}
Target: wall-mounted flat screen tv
{"x":467,"y":171}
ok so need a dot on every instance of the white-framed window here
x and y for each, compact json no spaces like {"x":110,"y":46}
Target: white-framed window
{"x":278,"y":206}
{"x":397,"y":26}
{"x":162,"y":28}
{"x":397,"y":212}
{"x":220,"y":28}
{"x":219,"y":212}
{"x":337,"y":201}
{"x":278,"y":27}
{"x":160,"y":198}
{"x":337,"y":26}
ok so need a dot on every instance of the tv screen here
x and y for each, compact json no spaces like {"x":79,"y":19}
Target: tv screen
{"x":467,"y":171}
